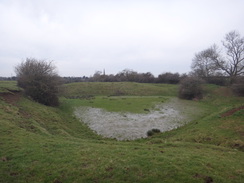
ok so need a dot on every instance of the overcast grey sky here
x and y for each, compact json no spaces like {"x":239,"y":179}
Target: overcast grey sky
{"x":84,"y":36}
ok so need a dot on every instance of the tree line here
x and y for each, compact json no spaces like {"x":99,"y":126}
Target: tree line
{"x":223,"y":66}
{"x":128,"y":75}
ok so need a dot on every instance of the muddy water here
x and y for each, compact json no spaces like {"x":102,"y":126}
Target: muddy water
{"x":130,"y":126}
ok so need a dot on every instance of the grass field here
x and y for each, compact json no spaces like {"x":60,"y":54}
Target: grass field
{"x":8,"y":86}
{"x":46,"y":144}
{"x":119,"y":88}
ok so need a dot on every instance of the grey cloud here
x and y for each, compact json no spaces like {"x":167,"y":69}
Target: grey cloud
{"x":85,"y":36}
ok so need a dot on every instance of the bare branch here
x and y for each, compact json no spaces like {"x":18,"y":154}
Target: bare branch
{"x":211,"y":60}
{"x":39,"y":80}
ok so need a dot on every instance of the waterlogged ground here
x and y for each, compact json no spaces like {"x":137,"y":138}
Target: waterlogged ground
{"x":130,"y":126}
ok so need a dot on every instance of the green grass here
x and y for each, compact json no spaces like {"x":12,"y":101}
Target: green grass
{"x":118,"y":89}
{"x":8,"y":86}
{"x":45,"y":144}
{"x":134,"y":104}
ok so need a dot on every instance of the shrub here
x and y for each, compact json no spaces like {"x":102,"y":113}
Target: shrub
{"x":149,"y":133}
{"x":190,"y":88}
{"x":39,"y":81}
{"x":153,"y":131}
{"x":238,"y":86}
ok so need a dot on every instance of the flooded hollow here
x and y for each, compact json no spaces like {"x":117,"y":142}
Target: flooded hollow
{"x":130,"y":126}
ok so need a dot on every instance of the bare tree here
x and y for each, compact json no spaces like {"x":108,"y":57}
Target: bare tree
{"x":202,"y":63}
{"x":39,"y":80}
{"x":145,"y":77}
{"x":97,"y":76}
{"x":127,"y":75}
{"x":231,"y":62}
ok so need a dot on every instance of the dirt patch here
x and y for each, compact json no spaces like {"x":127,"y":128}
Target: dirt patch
{"x":11,"y":97}
{"x":232,"y":111}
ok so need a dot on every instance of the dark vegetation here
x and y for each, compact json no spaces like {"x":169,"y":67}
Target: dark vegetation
{"x":238,"y":86}
{"x":39,"y":80}
{"x":128,"y":75}
{"x":8,"y":78}
{"x":191,"y":88}
{"x":152,"y":132}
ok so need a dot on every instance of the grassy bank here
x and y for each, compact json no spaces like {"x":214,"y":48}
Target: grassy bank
{"x":8,"y":86}
{"x":45,"y":144}
{"x":118,"y":89}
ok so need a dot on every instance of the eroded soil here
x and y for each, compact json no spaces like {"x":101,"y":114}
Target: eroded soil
{"x":232,"y":111}
{"x":11,"y":97}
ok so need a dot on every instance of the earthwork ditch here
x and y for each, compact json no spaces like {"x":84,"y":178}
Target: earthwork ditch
{"x":130,"y":126}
